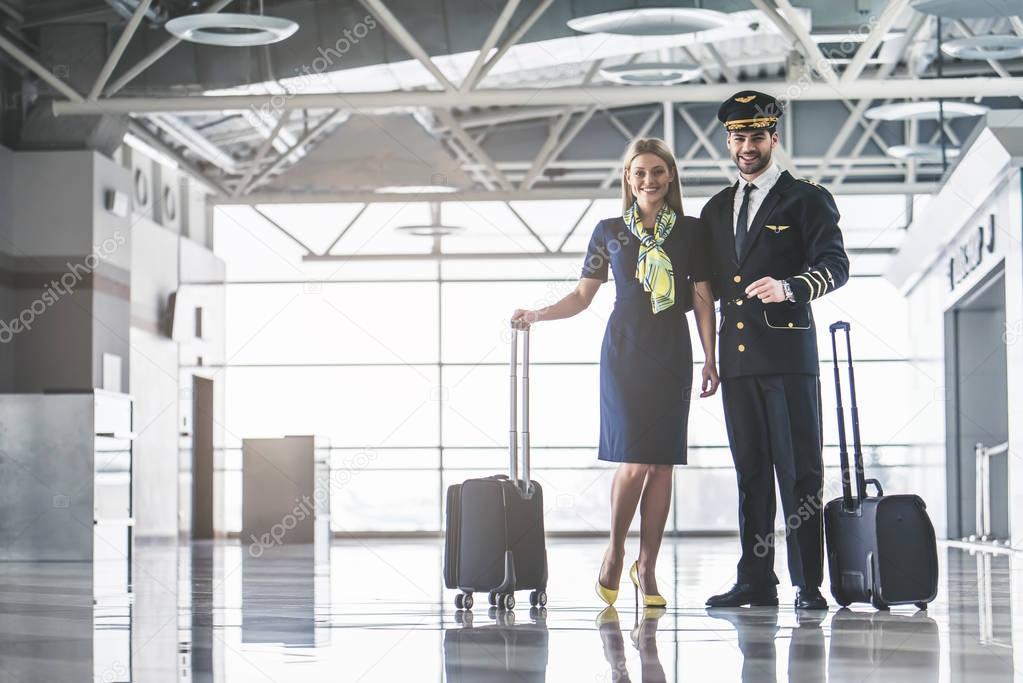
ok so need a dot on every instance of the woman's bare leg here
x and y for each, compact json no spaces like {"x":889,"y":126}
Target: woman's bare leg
{"x":626,"y":489}
{"x":653,"y":512}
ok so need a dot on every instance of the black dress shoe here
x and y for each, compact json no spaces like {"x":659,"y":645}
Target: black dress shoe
{"x":746,"y":594}
{"x":810,"y":598}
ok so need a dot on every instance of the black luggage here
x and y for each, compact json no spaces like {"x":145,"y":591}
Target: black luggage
{"x":881,"y":549}
{"x":494,"y":540}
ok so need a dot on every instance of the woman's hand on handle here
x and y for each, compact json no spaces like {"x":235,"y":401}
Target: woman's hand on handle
{"x":522,"y":318}
{"x":711,"y":381}
{"x":571,"y":304}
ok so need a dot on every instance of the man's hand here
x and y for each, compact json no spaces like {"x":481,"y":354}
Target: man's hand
{"x":767,"y":289}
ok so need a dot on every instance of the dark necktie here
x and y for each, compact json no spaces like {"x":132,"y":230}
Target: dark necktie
{"x":742,"y":222}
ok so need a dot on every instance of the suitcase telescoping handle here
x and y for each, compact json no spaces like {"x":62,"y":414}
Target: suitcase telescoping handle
{"x":513,"y":441}
{"x":843,"y":449}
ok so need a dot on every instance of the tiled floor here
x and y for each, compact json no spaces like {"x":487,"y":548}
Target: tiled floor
{"x":378,"y":612}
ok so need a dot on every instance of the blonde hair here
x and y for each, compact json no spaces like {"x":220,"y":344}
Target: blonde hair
{"x":659,"y":148}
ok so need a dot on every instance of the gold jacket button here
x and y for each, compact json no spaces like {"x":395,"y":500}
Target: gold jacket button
{"x":739,"y":325}
{"x":737,"y":279}
{"x":792,"y":324}
{"x":742,"y":348}
{"x":738,"y":302}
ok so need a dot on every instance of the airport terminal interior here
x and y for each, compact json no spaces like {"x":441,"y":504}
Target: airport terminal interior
{"x":258,"y":263}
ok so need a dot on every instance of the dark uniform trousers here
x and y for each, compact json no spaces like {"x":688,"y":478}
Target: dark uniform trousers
{"x":786,"y":410}
{"x":769,"y":368}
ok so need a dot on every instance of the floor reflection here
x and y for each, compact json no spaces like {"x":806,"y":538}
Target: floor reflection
{"x":757,"y":636}
{"x":498,"y":650}
{"x":644,"y":639}
{"x":213,"y":612}
{"x":898,"y":647}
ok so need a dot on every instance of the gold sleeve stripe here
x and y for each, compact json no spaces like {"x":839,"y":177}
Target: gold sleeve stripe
{"x":808,"y":284}
{"x":819,"y":291}
{"x":824,"y":282}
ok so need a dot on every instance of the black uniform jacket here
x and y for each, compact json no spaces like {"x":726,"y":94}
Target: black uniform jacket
{"x":794,"y":236}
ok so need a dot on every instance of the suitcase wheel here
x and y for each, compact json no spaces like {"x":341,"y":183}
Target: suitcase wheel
{"x":538,"y":598}
{"x":841,"y":598}
{"x":463,"y":618}
{"x":463,"y":601}
{"x":492,"y":598}
{"x":506,"y":601}
{"x":920,"y":605}
{"x":877,"y":602}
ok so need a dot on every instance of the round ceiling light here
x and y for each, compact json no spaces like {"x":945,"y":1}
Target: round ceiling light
{"x":923,"y":152}
{"x":651,"y":21}
{"x":430,"y":230}
{"x":969,"y":9}
{"x":927,"y":109}
{"x":984,"y":47}
{"x":231,"y":30}
{"x":652,"y":74}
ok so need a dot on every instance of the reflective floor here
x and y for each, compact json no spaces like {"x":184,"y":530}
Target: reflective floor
{"x":377,"y":611}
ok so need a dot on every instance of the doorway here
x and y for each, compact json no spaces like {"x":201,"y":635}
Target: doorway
{"x":977,"y":415}
{"x":202,"y":457}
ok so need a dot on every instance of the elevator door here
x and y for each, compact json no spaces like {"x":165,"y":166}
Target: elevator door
{"x":977,"y":410}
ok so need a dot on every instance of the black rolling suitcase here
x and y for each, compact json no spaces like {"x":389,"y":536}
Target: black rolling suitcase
{"x":881,"y":549}
{"x":494,"y":540}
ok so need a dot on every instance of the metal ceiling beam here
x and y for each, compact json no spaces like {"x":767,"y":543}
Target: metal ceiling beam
{"x":498,"y":28}
{"x":507,"y":256}
{"x":283,"y":157}
{"x":607,"y":96}
{"x":856,"y":115}
{"x":12,"y":12}
{"x":141,"y":132}
{"x":150,"y":59}
{"x":405,"y":39}
{"x":194,"y":141}
{"x":726,"y":167}
{"x":264,"y":149}
{"x":884,"y":24}
{"x":513,"y":40}
{"x":471,"y":147}
{"x":993,"y":63}
{"x":29,"y":62}
{"x":540,"y":194}
{"x":815,"y":58}
{"x":556,"y":143}
{"x":119,"y":47}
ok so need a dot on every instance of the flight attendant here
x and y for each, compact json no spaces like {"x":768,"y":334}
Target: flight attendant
{"x":660,"y":262}
{"x":777,"y":247}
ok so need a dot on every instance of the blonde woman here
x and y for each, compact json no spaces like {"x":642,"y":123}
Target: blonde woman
{"x":661,"y":270}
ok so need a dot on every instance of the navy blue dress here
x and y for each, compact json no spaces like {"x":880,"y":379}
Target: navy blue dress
{"x":646,"y":360}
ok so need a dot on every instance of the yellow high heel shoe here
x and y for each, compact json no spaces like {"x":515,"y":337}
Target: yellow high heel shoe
{"x":608,"y":595}
{"x":648,"y":600}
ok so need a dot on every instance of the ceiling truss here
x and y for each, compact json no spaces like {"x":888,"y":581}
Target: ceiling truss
{"x":242,"y":165}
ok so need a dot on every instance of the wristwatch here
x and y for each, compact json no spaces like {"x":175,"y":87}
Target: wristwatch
{"x":787,"y":288}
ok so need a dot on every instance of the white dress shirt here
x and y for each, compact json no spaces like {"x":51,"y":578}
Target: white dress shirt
{"x":763,"y":182}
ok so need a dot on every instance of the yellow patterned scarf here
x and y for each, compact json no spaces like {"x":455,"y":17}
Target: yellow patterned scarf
{"x":653,"y":268}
